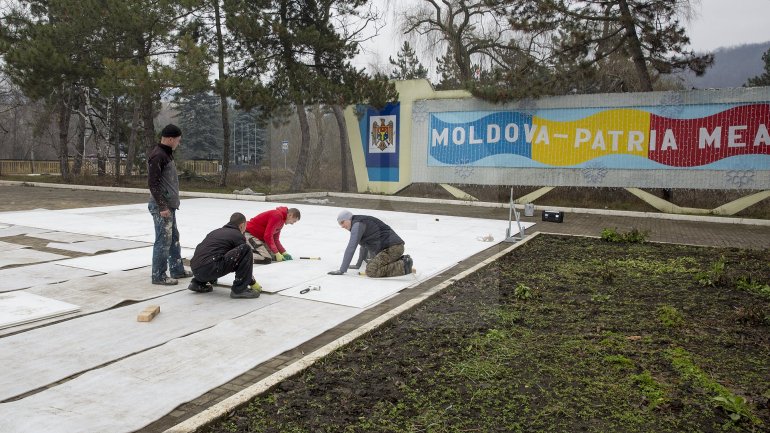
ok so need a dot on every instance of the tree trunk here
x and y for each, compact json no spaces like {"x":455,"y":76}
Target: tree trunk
{"x":635,"y":46}
{"x":80,"y":148}
{"x":317,"y":151}
{"x":299,"y":174}
{"x":222,"y":90}
{"x":114,"y":136}
{"x":132,"y":139}
{"x":64,"y":126}
{"x":148,"y":121}
{"x":344,"y":146}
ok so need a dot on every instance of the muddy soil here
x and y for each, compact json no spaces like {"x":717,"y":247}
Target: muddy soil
{"x":17,"y":198}
{"x":562,"y":334}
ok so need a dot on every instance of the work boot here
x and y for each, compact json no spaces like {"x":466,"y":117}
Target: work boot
{"x":407,"y":264}
{"x":246,"y":294}
{"x":197,"y":286}
{"x":184,"y":274}
{"x":165,"y":281}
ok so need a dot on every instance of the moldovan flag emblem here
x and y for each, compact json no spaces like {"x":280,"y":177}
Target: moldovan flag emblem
{"x":382,"y":137}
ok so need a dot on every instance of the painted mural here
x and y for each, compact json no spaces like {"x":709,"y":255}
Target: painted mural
{"x":712,"y":137}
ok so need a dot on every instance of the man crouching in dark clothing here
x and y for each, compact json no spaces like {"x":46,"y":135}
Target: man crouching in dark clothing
{"x":223,"y":251}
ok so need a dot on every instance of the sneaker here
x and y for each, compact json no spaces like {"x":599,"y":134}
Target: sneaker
{"x":246,"y":294}
{"x":184,"y":274}
{"x":408,"y":264}
{"x":165,"y":281}
{"x":197,"y":286}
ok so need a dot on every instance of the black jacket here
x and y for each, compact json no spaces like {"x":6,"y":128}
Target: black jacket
{"x":162,"y":178}
{"x":216,"y":244}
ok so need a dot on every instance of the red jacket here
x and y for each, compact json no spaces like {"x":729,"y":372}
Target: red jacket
{"x":267,"y":228}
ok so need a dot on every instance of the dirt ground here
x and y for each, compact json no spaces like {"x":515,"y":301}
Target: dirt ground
{"x":18,"y":198}
{"x":562,"y":334}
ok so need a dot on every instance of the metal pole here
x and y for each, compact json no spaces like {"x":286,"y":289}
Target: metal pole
{"x":510,"y":215}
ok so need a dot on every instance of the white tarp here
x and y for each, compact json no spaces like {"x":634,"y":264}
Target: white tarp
{"x":17,"y":308}
{"x":96,"y":246}
{"x":22,"y":277}
{"x":125,"y":365}
{"x":38,"y":357}
{"x":26,"y":256}
{"x":134,"y":391}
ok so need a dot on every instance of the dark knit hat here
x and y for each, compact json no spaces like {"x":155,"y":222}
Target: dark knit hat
{"x":171,"y":130}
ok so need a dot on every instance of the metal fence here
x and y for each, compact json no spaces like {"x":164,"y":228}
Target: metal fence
{"x":90,"y":168}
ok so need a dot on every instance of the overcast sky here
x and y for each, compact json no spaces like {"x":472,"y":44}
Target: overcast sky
{"x":718,"y":23}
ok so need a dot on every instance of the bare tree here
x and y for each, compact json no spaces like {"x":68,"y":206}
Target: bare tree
{"x":469,"y":31}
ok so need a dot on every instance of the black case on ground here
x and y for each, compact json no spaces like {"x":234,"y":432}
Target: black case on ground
{"x":553,"y":216}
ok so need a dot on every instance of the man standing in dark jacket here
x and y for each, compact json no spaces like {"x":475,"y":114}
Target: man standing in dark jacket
{"x":164,"y":201}
{"x":223,"y":251}
{"x":379,"y":243}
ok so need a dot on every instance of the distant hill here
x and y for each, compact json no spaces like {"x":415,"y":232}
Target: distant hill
{"x":732,"y":67}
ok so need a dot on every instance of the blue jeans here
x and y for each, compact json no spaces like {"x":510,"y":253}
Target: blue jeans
{"x":166,"y":253}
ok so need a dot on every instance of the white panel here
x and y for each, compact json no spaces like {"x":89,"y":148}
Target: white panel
{"x":26,"y":256}
{"x":22,"y":277}
{"x":171,"y":374}
{"x":97,"y":294}
{"x":95,"y":246}
{"x":9,"y":231}
{"x":30,"y":360}
{"x":19,"y":307}
{"x":65,"y":237}
{"x":117,"y":261}
{"x":7,"y":246}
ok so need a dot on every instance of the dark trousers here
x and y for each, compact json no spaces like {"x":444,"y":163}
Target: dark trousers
{"x":238,"y":260}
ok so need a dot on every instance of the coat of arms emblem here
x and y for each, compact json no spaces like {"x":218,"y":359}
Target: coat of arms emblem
{"x":382,"y":134}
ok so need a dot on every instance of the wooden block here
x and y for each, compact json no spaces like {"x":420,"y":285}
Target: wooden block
{"x":148,"y":313}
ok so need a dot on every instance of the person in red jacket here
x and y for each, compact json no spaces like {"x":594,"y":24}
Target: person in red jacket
{"x":263,"y":233}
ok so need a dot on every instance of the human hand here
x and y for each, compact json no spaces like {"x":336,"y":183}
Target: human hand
{"x":354,"y":266}
{"x":286,"y":256}
{"x":165,"y":213}
{"x":278,"y":257}
{"x":336,"y":273}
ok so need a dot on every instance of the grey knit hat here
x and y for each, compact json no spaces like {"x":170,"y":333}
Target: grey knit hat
{"x":344,"y":216}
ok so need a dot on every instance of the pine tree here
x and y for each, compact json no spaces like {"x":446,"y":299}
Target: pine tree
{"x":199,"y":118}
{"x":764,"y":78}
{"x":291,"y":55}
{"x":407,"y":66}
{"x":449,"y":72}
{"x":586,"y":34}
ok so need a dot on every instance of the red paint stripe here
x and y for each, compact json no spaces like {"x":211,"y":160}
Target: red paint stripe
{"x":746,"y":122}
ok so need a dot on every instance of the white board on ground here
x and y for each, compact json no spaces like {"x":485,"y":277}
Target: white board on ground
{"x":280,"y":276}
{"x":117,"y":261}
{"x":352,"y":289}
{"x":84,"y":222}
{"x":30,"y":360}
{"x":98,"y":294}
{"x":22,"y":277}
{"x":183,"y":368}
{"x":26,"y":256}
{"x":13,"y":230}
{"x":19,"y":307}
{"x":95,"y":246}
{"x":8,"y":246}
{"x":65,"y":237}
